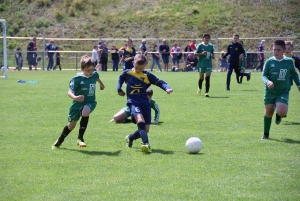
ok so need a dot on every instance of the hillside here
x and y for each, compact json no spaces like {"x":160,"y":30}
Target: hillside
{"x":150,"y":18}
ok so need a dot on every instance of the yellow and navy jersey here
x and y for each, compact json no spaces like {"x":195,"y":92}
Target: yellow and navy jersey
{"x":137,"y":84}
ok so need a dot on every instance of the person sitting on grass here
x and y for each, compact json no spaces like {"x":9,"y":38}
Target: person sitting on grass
{"x":82,"y":91}
{"x":124,"y":113}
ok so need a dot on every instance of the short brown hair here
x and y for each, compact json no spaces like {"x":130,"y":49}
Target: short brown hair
{"x":85,"y":62}
{"x":140,"y":59}
{"x":149,"y":92}
{"x":280,"y":43}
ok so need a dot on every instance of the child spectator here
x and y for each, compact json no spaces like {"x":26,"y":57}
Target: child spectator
{"x":223,"y":64}
{"x":57,"y":58}
{"x":84,"y":101}
{"x":95,"y":56}
{"x":19,"y":59}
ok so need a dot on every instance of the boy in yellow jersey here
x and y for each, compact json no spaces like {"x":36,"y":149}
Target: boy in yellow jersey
{"x":137,"y":82}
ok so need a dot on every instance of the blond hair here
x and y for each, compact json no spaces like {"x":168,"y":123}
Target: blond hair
{"x":85,"y":62}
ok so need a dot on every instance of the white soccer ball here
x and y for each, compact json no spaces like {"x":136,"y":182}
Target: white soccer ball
{"x":193,"y":145}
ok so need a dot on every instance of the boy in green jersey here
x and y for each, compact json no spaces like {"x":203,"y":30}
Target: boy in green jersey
{"x":205,"y":53}
{"x":275,"y":76}
{"x":82,"y":91}
{"x":124,"y":113}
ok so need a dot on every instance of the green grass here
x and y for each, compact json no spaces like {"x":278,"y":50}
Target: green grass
{"x":234,"y":163}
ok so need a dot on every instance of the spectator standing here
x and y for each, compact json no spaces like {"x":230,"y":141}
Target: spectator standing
{"x":193,"y":45}
{"x":121,"y":52}
{"x":57,"y":58}
{"x":115,"y":58}
{"x":164,"y":50}
{"x":19,"y":59}
{"x":261,"y":55}
{"x":223,"y":64}
{"x":50,"y":48}
{"x":155,"y":58}
{"x":32,"y":54}
{"x":95,"y":56}
{"x":175,"y":55}
{"x":143,"y":47}
{"x":100,"y":47}
{"x":104,"y":57}
{"x":128,"y":55}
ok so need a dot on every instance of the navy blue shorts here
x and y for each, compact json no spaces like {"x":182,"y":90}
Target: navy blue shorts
{"x":165,"y":59}
{"x":143,"y":109}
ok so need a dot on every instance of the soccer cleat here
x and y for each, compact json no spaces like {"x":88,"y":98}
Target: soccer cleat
{"x":278,"y":119}
{"x":265,"y":136}
{"x":56,"y":145}
{"x":199,"y":91}
{"x":248,"y":76}
{"x":206,"y":95}
{"x":146,"y":148}
{"x":81,"y":143}
{"x":112,"y":121}
{"x":128,"y":142}
{"x":227,"y":89}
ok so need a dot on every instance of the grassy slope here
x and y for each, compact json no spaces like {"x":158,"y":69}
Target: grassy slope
{"x":151,"y":18}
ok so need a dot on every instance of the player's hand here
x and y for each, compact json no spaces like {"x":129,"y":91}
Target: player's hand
{"x":79,"y":98}
{"x":270,"y":85}
{"x":102,"y":86}
{"x":121,"y":93}
{"x":169,"y":91}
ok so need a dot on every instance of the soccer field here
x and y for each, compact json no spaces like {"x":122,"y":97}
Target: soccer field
{"x":234,"y":164}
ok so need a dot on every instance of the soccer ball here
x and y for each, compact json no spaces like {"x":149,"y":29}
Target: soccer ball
{"x":193,"y":145}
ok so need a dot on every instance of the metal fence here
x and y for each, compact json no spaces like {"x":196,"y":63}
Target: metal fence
{"x":73,"y":49}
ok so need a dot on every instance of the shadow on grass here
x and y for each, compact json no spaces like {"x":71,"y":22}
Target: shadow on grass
{"x":94,"y":153}
{"x":286,"y":140}
{"x":291,"y":123}
{"x":160,"y":151}
{"x":218,"y":97}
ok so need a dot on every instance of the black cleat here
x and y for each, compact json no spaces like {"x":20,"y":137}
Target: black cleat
{"x":248,"y":76}
{"x":265,"y":136}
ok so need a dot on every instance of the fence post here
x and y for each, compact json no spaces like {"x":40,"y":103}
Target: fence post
{"x":76,"y":60}
{"x":217,"y":50}
{"x":43,"y":52}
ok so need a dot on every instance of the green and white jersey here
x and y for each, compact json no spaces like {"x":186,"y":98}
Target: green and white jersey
{"x":86,"y":86}
{"x":278,"y":71}
{"x":205,"y":60}
{"x":155,"y":107}
{"x":244,"y":59}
